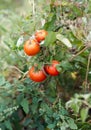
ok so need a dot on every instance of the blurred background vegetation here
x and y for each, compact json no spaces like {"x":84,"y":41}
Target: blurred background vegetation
{"x":10,"y":4}
{"x":17,"y":17}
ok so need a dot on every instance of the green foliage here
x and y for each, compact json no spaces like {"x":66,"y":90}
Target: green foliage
{"x":25,"y":104}
{"x":50,"y":39}
{"x":80,"y":105}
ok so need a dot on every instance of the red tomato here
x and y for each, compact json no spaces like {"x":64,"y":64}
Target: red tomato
{"x":37,"y":75}
{"x":51,"y":70}
{"x":40,"y":35}
{"x":31,"y":47}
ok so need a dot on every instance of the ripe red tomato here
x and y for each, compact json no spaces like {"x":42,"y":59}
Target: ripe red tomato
{"x":31,"y":47}
{"x":37,"y":75}
{"x":51,"y":69}
{"x":40,"y":35}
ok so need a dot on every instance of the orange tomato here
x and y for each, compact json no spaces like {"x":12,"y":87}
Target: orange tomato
{"x":40,"y":35}
{"x":37,"y":75}
{"x":51,"y":69}
{"x":31,"y":47}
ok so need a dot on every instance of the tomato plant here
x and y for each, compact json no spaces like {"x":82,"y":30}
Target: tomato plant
{"x":65,"y":29}
{"x":31,"y":47}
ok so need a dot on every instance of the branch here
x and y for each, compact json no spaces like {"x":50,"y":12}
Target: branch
{"x":87,"y":71}
{"x":17,"y":69}
{"x":78,"y":53}
{"x":33,"y":8}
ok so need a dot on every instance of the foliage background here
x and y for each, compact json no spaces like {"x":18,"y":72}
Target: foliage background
{"x":33,"y":106}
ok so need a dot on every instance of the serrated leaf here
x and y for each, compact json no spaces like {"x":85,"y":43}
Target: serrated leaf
{"x":74,"y":104}
{"x":81,"y":59}
{"x":19,"y":98}
{"x":25,"y":105}
{"x":34,"y":108}
{"x":72,"y":124}
{"x":66,"y":65}
{"x":84,"y":114}
{"x":64,"y":40}
{"x":8,"y":125}
{"x":28,"y":81}
{"x":65,"y":125}
{"x":50,"y":39}
{"x":35,"y":100}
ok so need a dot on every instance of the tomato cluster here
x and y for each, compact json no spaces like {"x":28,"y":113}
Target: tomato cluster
{"x":31,"y":48}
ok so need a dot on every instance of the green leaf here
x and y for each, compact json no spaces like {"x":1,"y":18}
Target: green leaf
{"x":25,"y":105}
{"x":34,"y":108}
{"x":75,"y":107}
{"x":27,"y":122}
{"x":65,"y":125}
{"x":50,"y":39}
{"x":50,"y":25}
{"x":2,"y":80}
{"x":8,"y":125}
{"x":51,"y":126}
{"x":63,"y":128}
{"x":41,"y":127}
{"x":84,"y":114}
{"x":8,"y":85}
{"x":76,"y":11}
{"x":74,"y":104}
{"x":19,"y":98}
{"x":64,"y":40}
{"x":72,"y":124}
{"x":35,"y":100}
{"x":59,"y":68}
{"x":80,"y":59}
{"x":66,"y":65}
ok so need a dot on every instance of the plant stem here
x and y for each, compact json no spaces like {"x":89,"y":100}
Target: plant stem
{"x":78,"y":53}
{"x":33,"y":8}
{"x":17,"y":69}
{"x":87,"y":71}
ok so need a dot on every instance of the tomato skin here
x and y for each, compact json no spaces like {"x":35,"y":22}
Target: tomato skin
{"x":51,"y":70}
{"x":40,"y":35}
{"x":37,"y":76}
{"x":31,"y":47}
